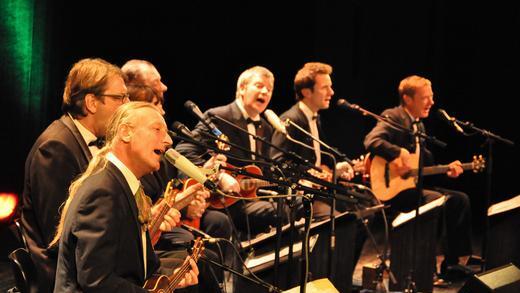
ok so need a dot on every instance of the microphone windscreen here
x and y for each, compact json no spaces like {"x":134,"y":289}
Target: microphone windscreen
{"x":189,"y":104}
{"x":275,"y":121}
{"x":186,"y":166}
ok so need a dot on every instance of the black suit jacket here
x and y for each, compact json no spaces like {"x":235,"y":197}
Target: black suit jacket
{"x":100,"y":247}
{"x":296,"y":115}
{"x":386,"y":142}
{"x":232,"y":113}
{"x":56,"y":158}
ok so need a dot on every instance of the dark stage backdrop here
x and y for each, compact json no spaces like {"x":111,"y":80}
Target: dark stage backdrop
{"x":469,"y":51}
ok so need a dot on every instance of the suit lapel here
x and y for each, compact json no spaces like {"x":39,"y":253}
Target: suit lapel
{"x":302,"y":119}
{"x":408,"y":138}
{"x":243,"y":138}
{"x":133,"y":207}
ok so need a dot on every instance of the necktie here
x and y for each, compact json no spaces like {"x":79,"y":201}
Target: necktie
{"x":144,"y":207}
{"x":313,"y":127}
{"x":417,"y":126}
{"x":98,"y":142}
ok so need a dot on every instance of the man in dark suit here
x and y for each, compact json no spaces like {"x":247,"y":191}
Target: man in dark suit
{"x":93,"y":91}
{"x":104,"y":245}
{"x":253,"y":94}
{"x":313,"y":88}
{"x":396,"y":147}
{"x":144,"y":83}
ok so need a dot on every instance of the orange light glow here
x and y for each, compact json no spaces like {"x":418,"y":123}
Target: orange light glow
{"x":8,"y":203}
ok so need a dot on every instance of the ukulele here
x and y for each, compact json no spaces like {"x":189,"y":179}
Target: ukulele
{"x":248,"y":187}
{"x":326,"y":174}
{"x":167,"y":284}
{"x":171,"y":202}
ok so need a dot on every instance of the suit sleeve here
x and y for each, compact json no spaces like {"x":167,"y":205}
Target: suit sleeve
{"x":96,"y":230}
{"x":53,"y":167}
{"x":378,"y":141}
{"x":195,"y":153}
{"x":281,"y":141}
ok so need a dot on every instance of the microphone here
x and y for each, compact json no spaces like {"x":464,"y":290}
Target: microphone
{"x":355,"y":185}
{"x":187,"y":167}
{"x":182,"y":129}
{"x":205,"y":237}
{"x":275,"y":121}
{"x":450,"y":120}
{"x":342,"y":103}
{"x":196,"y":111}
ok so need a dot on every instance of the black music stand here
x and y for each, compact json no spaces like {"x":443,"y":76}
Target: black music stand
{"x":413,"y":245}
{"x":503,"y":238}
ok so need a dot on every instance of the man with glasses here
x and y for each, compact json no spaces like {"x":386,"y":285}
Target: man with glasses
{"x":94,"y":89}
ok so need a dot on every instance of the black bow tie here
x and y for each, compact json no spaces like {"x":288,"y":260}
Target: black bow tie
{"x":256,"y":123}
{"x":98,"y":142}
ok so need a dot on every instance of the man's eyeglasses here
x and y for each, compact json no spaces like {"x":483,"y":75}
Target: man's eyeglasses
{"x":121,"y":97}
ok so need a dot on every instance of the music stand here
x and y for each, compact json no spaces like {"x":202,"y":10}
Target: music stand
{"x":408,"y":231}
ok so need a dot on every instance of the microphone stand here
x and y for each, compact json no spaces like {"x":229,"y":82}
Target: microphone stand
{"x":418,"y":137}
{"x":269,"y":287}
{"x":304,"y":267}
{"x":332,"y":238}
{"x":293,"y":155}
{"x":490,"y":140}
{"x":347,"y":195}
{"x":334,"y":150}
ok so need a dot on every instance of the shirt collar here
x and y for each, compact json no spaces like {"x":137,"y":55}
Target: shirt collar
{"x":87,"y":135}
{"x":242,"y":109}
{"x":130,"y":178}
{"x":411,"y":116}
{"x":306,"y":110}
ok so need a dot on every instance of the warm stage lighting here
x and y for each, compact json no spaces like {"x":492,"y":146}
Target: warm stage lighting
{"x":8,"y":203}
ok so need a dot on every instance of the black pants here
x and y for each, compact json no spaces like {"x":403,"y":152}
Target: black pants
{"x":456,"y":218}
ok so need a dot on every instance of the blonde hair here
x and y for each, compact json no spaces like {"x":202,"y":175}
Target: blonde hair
{"x":87,"y":76}
{"x":246,"y":76}
{"x":409,"y":85}
{"x":124,"y":115}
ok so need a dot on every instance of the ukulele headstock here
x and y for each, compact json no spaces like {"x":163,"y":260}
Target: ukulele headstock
{"x":478,"y":164}
{"x":197,"y":249}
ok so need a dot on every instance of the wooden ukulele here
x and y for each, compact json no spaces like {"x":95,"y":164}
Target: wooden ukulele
{"x":386,"y":183}
{"x":171,"y":202}
{"x":326,"y":174}
{"x":167,"y":284}
{"x":248,"y":187}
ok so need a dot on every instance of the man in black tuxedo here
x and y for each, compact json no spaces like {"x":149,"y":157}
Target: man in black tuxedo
{"x":313,"y":88}
{"x":253,"y":94}
{"x":104,"y":245}
{"x":93,"y":91}
{"x":144,"y":83}
{"x":396,"y":147}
